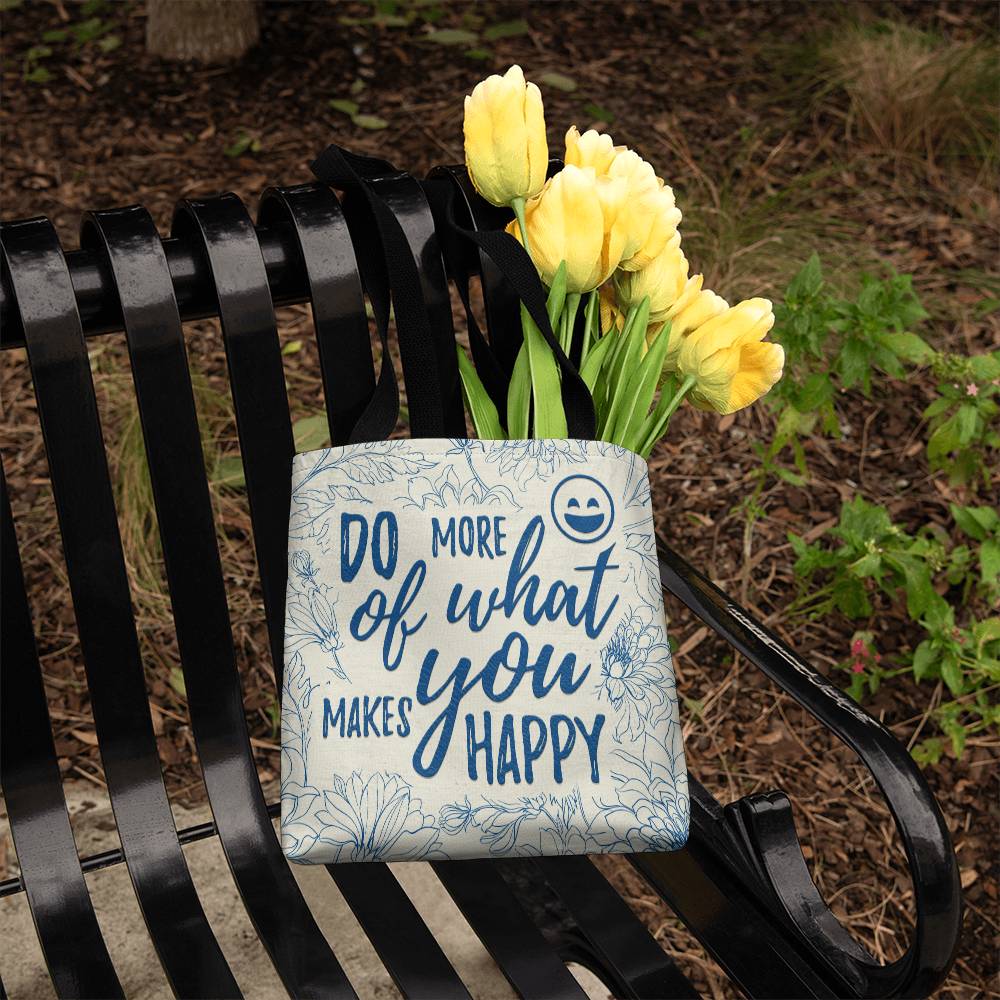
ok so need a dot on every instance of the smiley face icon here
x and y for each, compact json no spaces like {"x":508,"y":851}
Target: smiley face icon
{"x":582,"y":509}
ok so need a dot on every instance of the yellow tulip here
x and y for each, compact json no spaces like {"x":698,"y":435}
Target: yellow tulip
{"x":664,"y":280}
{"x":696,"y":306}
{"x":506,"y":151}
{"x":727,"y":359}
{"x":650,"y":218}
{"x":573,"y":220}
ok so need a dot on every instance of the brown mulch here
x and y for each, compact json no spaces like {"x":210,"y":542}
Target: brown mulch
{"x":681,"y":81}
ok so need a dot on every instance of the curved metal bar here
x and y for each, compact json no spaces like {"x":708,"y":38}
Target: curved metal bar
{"x":64,"y":918}
{"x":312,"y":213}
{"x":606,"y":936}
{"x":257,"y":381}
{"x":81,"y":484}
{"x":97,"y":303}
{"x":921,"y":826}
{"x":128,"y":240}
{"x":530,"y":964}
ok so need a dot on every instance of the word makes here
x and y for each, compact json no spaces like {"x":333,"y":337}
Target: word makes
{"x":516,"y":746}
{"x":367,"y":716}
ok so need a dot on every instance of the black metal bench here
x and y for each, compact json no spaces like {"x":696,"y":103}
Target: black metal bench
{"x":741,"y":885}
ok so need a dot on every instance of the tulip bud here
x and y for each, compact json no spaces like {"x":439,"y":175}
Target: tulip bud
{"x":573,"y":220}
{"x":592,"y":149}
{"x":506,"y":151}
{"x":728,"y":360}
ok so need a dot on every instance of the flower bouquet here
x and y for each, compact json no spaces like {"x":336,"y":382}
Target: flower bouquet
{"x":603,"y":234}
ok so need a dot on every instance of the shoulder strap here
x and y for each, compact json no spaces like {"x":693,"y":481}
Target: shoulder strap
{"x":390,"y":275}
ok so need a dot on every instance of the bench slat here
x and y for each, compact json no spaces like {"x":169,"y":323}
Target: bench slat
{"x":60,"y":904}
{"x":81,"y":484}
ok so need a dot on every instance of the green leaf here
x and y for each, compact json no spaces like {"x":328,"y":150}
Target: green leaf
{"x":807,"y":282}
{"x":625,"y":364}
{"x":557,"y":295}
{"x":311,"y":433}
{"x":546,"y":395}
{"x":242,"y":143}
{"x":595,"y":359}
{"x":109,"y":43}
{"x":951,"y":673}
{"x":347,"y":106}
{"x":372,"y":122}
{"x":966,"y":423}
{"x":53,"y":34}
{"x":519,"y":397}
{"x":908,"y":346}
{"x":598,"y":113}
{"x":87,"y":31}
{"x":229,"y":472}
{"x":924,"y":660}
{"x":452,"y":36}
{"x":558,"y":80}
{"x":989,"y":562}
{"x":38,"y":75}
{"x":38,"y":52}
{"x":6,"y":5}
{"x":292,"y":347}
{"x":506,"y":29}
{"x":177,"y":681}
{"x":481,"y":55}
{"x":481,"y":408}
{"x":639,"y":394}
{"x":928,"y":751}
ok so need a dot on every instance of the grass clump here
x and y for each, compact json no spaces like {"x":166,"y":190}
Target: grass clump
{"x":922,"y":98}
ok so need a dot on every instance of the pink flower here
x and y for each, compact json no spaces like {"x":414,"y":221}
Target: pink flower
{"x":972,"y":389}
{"x":858,"y":647}
{"x":857,"y":667}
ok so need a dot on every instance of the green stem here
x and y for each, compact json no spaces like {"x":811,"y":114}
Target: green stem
{"x":593,"y":300}
{"x":518,"y":205}
{"x":661,"y":427}
{"x":569,"y":321}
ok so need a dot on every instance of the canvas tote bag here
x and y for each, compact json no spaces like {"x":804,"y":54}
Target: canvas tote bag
{"x":476,"y":658}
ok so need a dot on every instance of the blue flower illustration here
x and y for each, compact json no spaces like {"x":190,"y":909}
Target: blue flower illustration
{"x":656,"y":797}
{"x":635,"y":674}
{"x":376,"y":819}
{"x":310,"y":619}
{"x":456,"y":817}
{"x":534,"y":459}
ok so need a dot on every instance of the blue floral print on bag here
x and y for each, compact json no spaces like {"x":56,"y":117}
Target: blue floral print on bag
{"x":476,"y":661}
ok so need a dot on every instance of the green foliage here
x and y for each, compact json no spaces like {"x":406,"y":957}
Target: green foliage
{"x":962,"y":422}
{"x":68,"y":40}
{"x":425,"y":14}
{"x":243,"y":143}
{"x":918,"y":573}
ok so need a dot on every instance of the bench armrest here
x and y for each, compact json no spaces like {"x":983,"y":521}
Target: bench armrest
{"x":763,"y":822}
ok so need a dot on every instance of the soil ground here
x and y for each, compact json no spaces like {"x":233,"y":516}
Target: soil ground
{"x":699,"y":90}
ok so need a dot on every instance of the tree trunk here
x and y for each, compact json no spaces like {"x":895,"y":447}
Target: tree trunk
{"x":210,"y":31}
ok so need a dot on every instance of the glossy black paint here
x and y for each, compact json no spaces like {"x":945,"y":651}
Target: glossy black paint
{"x":741,"y":884}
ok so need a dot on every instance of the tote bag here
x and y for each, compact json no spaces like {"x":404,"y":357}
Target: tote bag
{"x":476,"y":658}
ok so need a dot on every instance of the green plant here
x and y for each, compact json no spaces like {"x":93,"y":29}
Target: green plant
{"x":90,"y":28}
{"x":962,"y":421}
{"x":917,"y":572}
